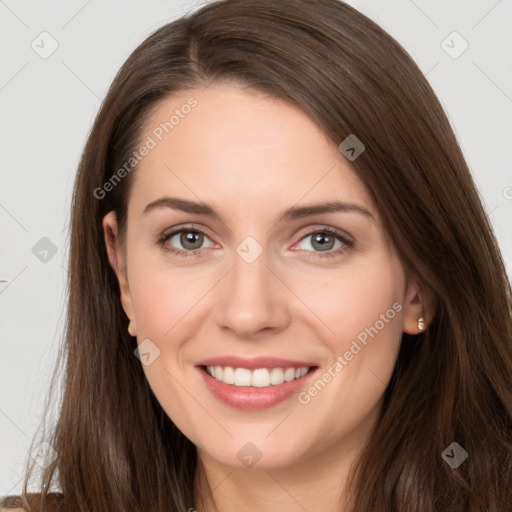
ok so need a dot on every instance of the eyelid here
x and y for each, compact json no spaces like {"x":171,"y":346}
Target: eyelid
{"x":199,"y":228}
{"x":320,"y":228}
{"x":309,"y":230}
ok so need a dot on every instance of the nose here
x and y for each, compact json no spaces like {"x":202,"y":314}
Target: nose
{"x":252,"y":298}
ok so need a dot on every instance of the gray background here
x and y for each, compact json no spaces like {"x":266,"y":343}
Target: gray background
{"x":47,"y":107}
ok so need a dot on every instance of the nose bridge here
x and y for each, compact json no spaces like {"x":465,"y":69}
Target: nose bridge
{"x":251,"y":298}
{"x":250,"y":271}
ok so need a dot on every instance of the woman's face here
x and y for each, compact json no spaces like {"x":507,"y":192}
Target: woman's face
{"x":234,"y":262}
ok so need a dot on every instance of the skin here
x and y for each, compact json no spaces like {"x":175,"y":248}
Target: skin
{"x":251,"y":157}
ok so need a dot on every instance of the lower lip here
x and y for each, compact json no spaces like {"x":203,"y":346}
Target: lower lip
{"x":251,"y":398}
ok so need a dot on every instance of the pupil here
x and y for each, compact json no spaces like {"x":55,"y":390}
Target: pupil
{"x":325,"y":241}
{"x":191,"y":237}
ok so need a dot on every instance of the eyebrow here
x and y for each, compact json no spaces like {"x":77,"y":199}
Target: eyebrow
{"x":293,"y":213}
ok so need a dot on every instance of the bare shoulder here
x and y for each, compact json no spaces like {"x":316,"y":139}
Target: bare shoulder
{"x":3,"y":509}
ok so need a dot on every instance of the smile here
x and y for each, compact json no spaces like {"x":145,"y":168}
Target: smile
{"x":253,"y":384}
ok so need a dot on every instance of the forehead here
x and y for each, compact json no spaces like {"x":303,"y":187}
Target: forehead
{"x":228,"y":145}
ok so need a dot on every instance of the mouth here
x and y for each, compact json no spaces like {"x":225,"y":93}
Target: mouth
{"x":255,"y":384}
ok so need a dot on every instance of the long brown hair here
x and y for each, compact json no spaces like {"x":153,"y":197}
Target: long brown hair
{"x":117,"y":449}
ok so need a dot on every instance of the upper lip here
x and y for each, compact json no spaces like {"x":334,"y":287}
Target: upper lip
{"x":252,"y":363}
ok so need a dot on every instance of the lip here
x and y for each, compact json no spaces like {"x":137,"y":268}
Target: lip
{"x":249,"y":398}
{"x":252,"y":363}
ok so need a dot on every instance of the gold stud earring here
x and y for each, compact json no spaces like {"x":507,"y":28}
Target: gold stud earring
{"x":421,"y":323}
{"x":131,"y":328}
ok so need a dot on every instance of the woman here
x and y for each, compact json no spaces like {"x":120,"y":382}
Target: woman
{"x":284,"y":291}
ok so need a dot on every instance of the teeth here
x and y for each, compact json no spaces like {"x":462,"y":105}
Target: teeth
{"x":259,"y":378}
{"x":276,"y":376}
{"x":289,"y":374}
{"x":228,"y":375}
{"x":242,"y":376}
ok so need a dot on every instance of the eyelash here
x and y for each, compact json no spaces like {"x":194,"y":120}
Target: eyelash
{"x":348,"y":243}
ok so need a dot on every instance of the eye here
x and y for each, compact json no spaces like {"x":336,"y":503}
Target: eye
{"x":325,"y":242}
{"x":184,"y":241}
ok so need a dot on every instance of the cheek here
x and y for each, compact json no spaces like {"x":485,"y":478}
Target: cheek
{"x":351,"y":299}
{"x":362,"y":309}
{"x":163,"y":295}
{"x":163,"y":299}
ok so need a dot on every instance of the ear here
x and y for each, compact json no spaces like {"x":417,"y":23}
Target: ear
{"x":419,"y":302}
{"x":117,"y":262}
